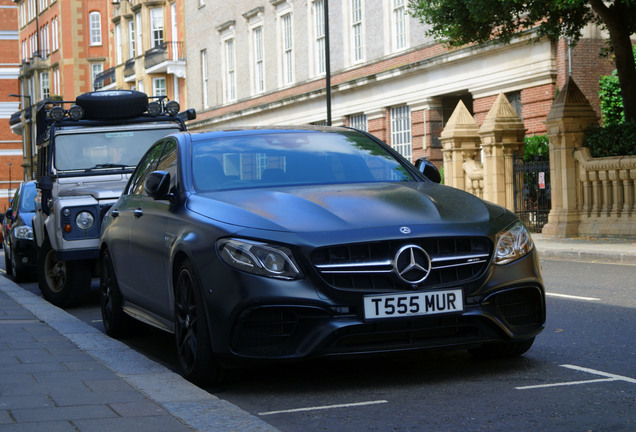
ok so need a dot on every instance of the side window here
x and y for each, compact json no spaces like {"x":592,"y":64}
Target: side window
{"x":168,"y":163}
{"x":145,"y":166}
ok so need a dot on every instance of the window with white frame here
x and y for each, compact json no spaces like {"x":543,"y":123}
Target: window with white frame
{"x":230,"y":71}
{"x":55,"y":40}
{"x":44,"y":41}
{"x":359,"y":121}
{"x":159,"y":86}
{"x":96,"y":69}
{"x":132,"y":53}
{"x":319,"y":37}
{"x":138,"y":28}
{"x":287,"y":49}
{"x":56,"y":81}
{"x":140,"y":86}
{"x":156,"y":26}
{"x":357,"y":39}
{"x":118,"y":47}
{"x":401,"y":130}
{"x":95,"y":24}
{"x":45,"y":86}
{"x":259,"y":66}
{"x":204,"y":77}
{"x":398,"y":24}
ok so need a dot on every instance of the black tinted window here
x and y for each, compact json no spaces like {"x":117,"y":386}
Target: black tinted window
{"x":145,"y":166}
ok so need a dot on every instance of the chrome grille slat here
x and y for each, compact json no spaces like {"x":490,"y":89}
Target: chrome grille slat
{"x":369,"y":266}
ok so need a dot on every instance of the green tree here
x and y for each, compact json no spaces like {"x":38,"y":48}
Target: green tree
{"x":459,"y":22}
{"x":611,"y":101}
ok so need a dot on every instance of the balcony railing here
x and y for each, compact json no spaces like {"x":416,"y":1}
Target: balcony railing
{"x":105,"y":78}
{"x":129,"y":68}
{"x":167,"y":51}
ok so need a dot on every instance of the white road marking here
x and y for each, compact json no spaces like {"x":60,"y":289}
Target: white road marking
{"x":356,"y":404}
{"x":572,"y":297}
{"x":610,"y":377}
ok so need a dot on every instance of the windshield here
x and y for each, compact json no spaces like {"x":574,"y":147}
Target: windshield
{"x":282,"y":159}
{"x":85,"y":151}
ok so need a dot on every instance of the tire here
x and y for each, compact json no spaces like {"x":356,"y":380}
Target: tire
{"x":490,"y":351}
{"x":113,"y":104}
{"x":116,"y":322}
{"x":62,"y":283}
{"x":17,"y":272}
{"x":7,"y":261}
{"x":194,"y":350}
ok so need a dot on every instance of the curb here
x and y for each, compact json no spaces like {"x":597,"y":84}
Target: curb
{"x":193,"y":406}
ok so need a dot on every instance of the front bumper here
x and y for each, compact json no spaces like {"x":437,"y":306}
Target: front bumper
{"x":258,"y":318}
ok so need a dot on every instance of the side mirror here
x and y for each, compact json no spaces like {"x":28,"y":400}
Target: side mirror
{"x":45,"y":183}
{"x":157,"y":185}
{"x":9,"y":214}
{"x":189,"y":114}
{"x":429,"y":170}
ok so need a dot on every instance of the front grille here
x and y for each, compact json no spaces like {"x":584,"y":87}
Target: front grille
{"x":521,"y":307}
{"x":369,"y":266}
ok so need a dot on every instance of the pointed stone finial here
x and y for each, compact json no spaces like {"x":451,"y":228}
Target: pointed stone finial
{"x":501,"y":115}
{"x":461,"y":122}
{"x":571,"y":102}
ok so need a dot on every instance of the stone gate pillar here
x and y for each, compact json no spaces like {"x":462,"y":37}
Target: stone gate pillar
{"x":460,"y":142}
{"x":501,"y":136}
{"x":571,"y":114}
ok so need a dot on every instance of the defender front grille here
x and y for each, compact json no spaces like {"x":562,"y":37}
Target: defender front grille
{"x":370,"y":266}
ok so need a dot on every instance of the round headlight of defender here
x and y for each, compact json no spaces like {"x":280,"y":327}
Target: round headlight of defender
{"x":154,"y":109}
{"x":57,"y":113}
{"x":173,"y":108}
{"x":84,"y":220}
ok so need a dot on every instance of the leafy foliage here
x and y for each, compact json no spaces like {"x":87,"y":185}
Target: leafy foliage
{"x":611,"y":98}
{"x":612,"y":140}
{"x":536,"y":146}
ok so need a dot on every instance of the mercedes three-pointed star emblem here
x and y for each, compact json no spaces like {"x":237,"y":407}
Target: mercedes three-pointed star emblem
{"x":412,"y":264}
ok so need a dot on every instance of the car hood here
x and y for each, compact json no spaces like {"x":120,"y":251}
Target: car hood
{"x":340,"y":207}
{"x":98,"y":190}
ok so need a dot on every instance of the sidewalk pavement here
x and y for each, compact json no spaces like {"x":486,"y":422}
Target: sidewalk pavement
{"x":60,"y":374}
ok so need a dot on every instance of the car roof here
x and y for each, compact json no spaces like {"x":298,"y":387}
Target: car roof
{"x":258,"y":130}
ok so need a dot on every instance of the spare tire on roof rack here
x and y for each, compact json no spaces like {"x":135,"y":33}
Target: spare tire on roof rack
{"x":113,"y":104}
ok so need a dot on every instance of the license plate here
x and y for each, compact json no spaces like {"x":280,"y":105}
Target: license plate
{"x":413,"y":304}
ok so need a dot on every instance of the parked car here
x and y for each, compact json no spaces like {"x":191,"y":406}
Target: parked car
{"x":290,"y":243}
{"x":19,"y":249}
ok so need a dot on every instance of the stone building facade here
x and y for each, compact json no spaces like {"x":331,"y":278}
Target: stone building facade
{"x":257,"y":62}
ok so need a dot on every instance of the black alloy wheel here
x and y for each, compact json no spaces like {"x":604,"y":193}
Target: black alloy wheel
{"x":116,"y":322}
{"x":194,"y":350}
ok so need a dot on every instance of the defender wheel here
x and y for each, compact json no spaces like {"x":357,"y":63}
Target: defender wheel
{"x":502,"y":349}
{"x":194,"y":349}
{"x":62,"y":283}
{"x":116,"y":322}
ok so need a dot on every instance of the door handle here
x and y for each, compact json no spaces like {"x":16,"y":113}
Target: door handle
{"x":114,"y":213}
{"x":138,"y":213}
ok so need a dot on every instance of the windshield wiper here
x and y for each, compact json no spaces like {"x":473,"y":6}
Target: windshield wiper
{"x":108,"y":165}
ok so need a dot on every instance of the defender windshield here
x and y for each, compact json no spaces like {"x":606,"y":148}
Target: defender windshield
{"x":98,"y":150}
{"x":284,"y":159}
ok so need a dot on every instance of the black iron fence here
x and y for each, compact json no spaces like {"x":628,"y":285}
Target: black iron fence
{"x":532,"y":191}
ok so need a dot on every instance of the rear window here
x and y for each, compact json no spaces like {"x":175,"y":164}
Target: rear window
{"x":287,"y":159}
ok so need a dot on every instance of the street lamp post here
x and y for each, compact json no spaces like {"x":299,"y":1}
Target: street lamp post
{"x":9,"y":194}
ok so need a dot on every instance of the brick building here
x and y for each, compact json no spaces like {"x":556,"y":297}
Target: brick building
{"x":10,"y":145}
{"x":255,"y":62}
{"x":63,"y":46}
{"x":148,"y":49}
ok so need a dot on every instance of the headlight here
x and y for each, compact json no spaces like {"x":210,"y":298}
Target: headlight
{"x":258,"y":258}
{"x":84,"y":220}
{"x":23,"y":232}
{"x":513,"y":243}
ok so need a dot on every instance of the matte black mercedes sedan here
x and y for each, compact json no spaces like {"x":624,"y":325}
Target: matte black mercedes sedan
{"x":291,"y":243}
